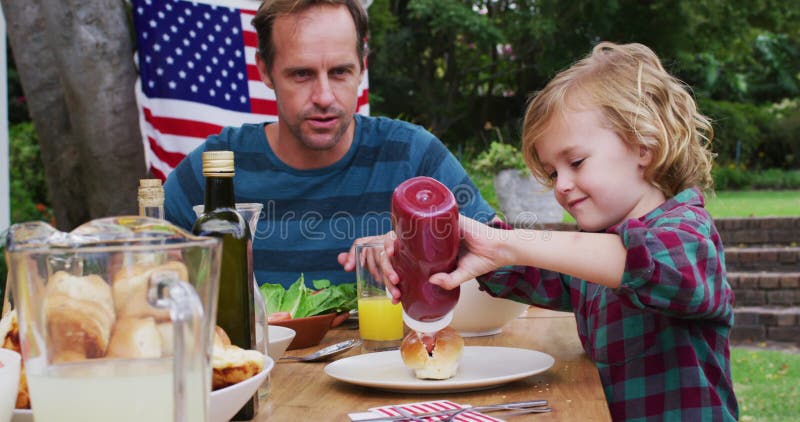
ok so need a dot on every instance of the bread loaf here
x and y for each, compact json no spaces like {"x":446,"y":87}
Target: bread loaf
{"x":130,"y":285}
{"x":167,"y":340}
{"x":79,"y":314}
{"x":135,"y":338}
{"x":441,"y":361}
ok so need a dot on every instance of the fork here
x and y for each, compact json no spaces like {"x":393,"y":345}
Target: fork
{"x":403,"y":412}
{"x":518,"y":411}
{"x":518,"y":408}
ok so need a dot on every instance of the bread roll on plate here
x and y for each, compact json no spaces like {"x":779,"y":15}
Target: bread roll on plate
{"x":9,"y":339}
{"x":442,"y":361}
{"x":232,"y":364}
{"x":9,"y":331}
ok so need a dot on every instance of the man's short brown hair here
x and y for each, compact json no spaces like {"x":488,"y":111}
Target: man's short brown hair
{"x":271,"y":9}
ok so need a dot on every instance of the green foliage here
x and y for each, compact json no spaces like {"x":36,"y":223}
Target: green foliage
{"x":301,"y":301}
{"x":781,"y":147}
{"x":29,"y":200}
{"x":732,"y":177}
{"x":755,"y":136}
{"x":729,"y":177}
{"x":776,"y":179}
{"x":766,"y":384}
{"x":736,"y":126}
{"x":498,"y":157}
{"x":28,"y":190}
{"x":444,"y":64}
{"x":3,"y":272}
{"x":459,"y":66}
{"x":17,"y":106}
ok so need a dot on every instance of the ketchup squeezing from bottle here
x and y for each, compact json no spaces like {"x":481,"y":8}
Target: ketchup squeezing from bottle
{"x":425,"y":219}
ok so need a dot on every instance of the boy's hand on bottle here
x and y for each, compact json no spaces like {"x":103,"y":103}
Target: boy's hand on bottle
{"x":478,"y":254}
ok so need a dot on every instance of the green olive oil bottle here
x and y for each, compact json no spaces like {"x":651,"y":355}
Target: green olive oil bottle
{"x":235,"y":306}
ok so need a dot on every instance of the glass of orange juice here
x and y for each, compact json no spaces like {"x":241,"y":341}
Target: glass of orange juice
{"x":380,"y":323}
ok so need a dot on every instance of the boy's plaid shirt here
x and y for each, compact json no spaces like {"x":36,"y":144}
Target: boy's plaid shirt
{"x":660,"y":340}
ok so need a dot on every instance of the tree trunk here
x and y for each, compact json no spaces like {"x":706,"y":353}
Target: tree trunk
{"x":75,"y":60}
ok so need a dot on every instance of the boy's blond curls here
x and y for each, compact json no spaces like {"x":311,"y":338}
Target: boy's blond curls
{"x":642,"y":103}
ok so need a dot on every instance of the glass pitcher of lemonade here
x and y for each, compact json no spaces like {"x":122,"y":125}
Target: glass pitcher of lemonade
{"x":116,"y":319}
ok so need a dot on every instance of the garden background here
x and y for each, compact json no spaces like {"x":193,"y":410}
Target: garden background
{"x":465,"y":68}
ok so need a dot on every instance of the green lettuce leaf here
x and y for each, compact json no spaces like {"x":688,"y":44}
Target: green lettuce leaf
{"x":301,"y":301}
{"x":273,"y":296}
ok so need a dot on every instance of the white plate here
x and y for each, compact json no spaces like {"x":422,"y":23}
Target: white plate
{"x":481,"y":367}
{"x":22,"y":415}
{"x":224,"y":402}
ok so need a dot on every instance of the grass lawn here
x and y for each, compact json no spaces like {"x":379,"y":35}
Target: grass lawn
{"x":754,"y":203}
{"x":767,"y":384}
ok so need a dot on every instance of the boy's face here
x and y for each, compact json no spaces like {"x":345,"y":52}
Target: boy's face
{"x":597,"y":178}
{"x":315,"y":74}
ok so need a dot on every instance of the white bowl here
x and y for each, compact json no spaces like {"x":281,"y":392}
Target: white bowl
{"x":279,"y":340}
{"x":479,"y":314}
{"x":225,"y":402}
{"x":22,"y":415}
{"x":9,"y":382}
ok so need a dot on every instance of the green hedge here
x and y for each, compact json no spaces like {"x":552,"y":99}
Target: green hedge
{"x":28,"y":189}
{"x":732,"y":177}
{"x":755,"y":137}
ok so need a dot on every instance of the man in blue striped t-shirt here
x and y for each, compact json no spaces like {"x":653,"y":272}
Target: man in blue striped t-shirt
{"x":324,"y":174}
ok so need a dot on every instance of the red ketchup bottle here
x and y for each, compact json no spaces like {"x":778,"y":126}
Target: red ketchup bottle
{"x":425,"y":219}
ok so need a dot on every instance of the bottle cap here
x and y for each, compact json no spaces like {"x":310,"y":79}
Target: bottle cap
{"x":151,"y":193}
{"x":218,"y":163}
{"x":149,"y":183}
{"x":428,"y":327}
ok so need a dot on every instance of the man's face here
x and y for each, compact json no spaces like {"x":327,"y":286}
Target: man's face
{"x":315,"y":75}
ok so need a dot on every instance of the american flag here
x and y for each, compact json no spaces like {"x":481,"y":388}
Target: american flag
{"x":197,"y":74}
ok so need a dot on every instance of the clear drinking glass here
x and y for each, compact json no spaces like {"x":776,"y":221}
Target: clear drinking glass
{"x":380,"y":323}
{"x":116,"y":319}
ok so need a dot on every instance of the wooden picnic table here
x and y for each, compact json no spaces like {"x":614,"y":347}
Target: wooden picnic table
{"x":303,"y":392}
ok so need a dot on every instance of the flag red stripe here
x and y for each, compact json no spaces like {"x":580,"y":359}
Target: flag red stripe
{"x":170,"y":158}
{"x":248,"y":12}
{"x":259,"y":106}
{"x":158,"y":174}
{"x":181,"y":127}
{"x":252,"y":73}
{"x":250,"y":39}
{"x":363,"y":98}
